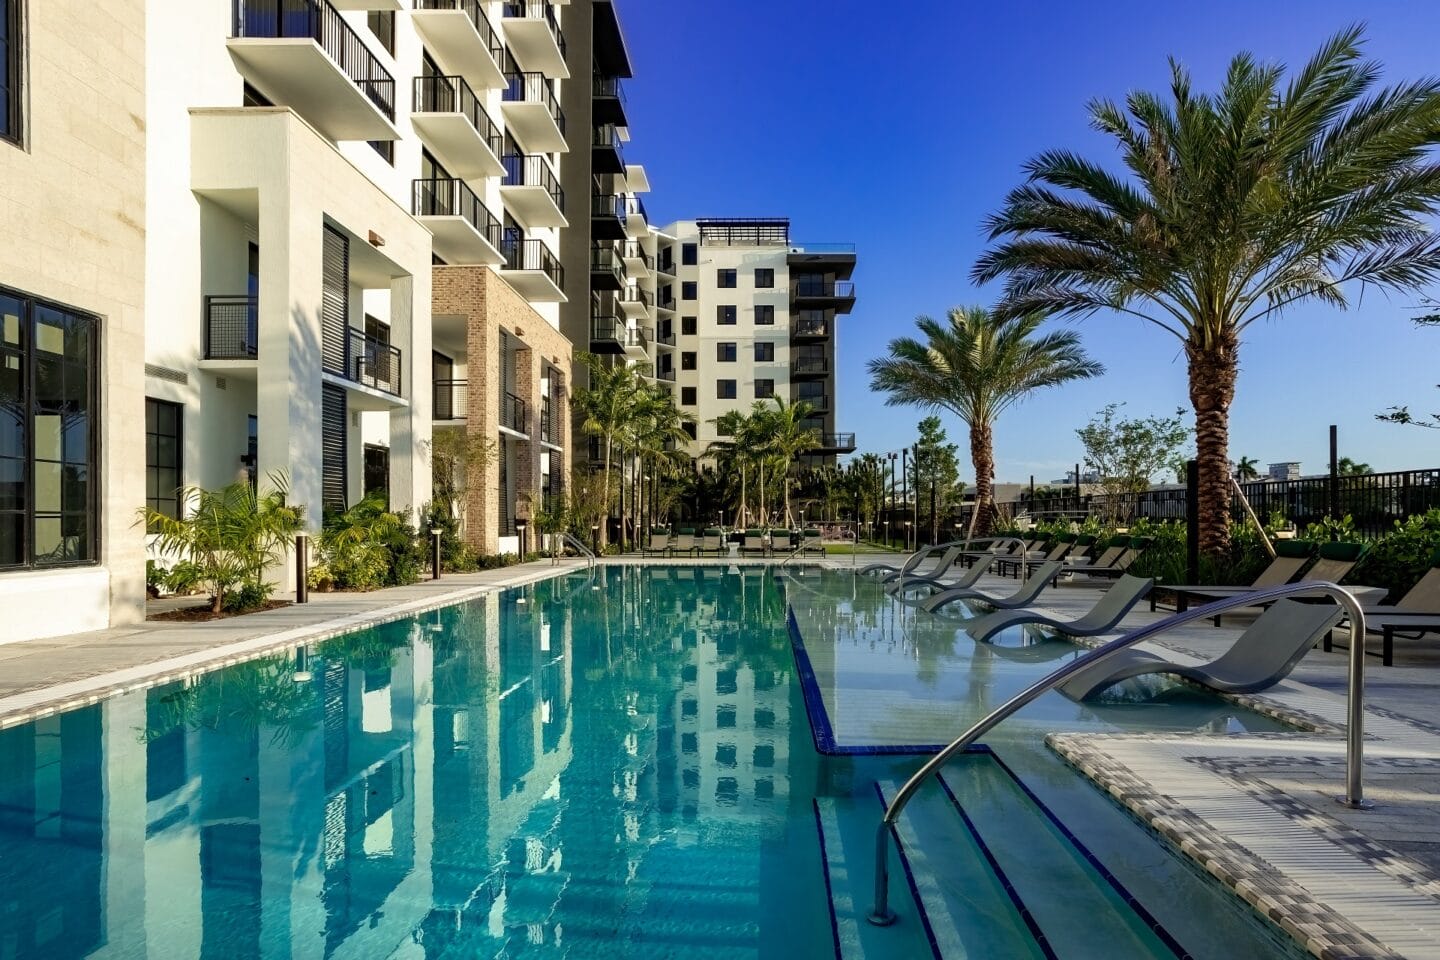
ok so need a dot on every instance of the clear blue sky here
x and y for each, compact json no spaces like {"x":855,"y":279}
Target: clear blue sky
{"x":898,"y":127}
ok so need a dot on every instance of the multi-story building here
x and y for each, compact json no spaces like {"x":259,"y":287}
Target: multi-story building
{"x":746,"y":315}
{"x":72,"y":312}
{"x":360,"y":208}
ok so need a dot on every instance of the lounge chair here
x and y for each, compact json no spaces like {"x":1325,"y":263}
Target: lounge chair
{"x":1111,"y":563}
{"x":943,"y":564}
{"x":712,"y":541}
{"x":1414,"y":614}
{"x":812,"y":542}
{"x":659,"y":543}
{"x":1333,"y":566}
{"x":1023,"y":597}
{"x":754,"y":542}
{"x":1260,"y":657}
{"x":1012,"y":547}
{"x":1057,"y":550}
{"x":885,"y":570}
{"x":1291,"y":556}
{"x":1113,"y":606}
{"x":936,"y":584}
{"x":684,"y":543}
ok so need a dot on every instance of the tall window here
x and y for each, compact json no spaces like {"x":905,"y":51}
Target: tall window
{"x":725,"y":279}
{"x":382,"y":24}
{"x":725,"y":389}
{"x":689,"y":254}
{"x":764,"y":278}
{"x":765,"y":314}
{"x":725,"y":315}
{"x":687,"y":290}
{"x":725,"y":352}
{"x":11,"y":50}
{"x":163,"y":432}
{"x":687,"y":359}
{"x":687,"y":326}
{"x":764,"y":352}
{"x":47,"y":452}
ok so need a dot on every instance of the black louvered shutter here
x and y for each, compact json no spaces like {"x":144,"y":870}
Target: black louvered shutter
{"x":335,"y":302}
{"x":332,"y":447}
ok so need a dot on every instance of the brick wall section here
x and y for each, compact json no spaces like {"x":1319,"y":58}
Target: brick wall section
{"x":488,"y":304}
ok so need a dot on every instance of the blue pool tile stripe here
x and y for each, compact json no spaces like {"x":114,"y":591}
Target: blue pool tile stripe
{"x":1124,"y":893}
{"x":910,"y":880}
{"x":995,"y":868}
{"x":825,"y":872}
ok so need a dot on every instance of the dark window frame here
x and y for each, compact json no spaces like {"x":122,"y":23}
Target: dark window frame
{"x":721,"y":386}
{"x":764,"y":314}
{"x":726,"y":314}
{"x":688,"y":359}
{"x":382,"y":27}
{"x":764,"y":351}
{"x":152,"y":466}
{"x":28,"y":364}
{"x":764,"y":278}
{"x":689,"y":428}
{"x":727,"y":351}
{"x":688,"y":396}
{"x":689,"y":326}
{"x":727,"y":279}
{"x":688,"y":290}
{"x":767,"y":391}
{"x":689,"y":254}
{"x":13,"y":69}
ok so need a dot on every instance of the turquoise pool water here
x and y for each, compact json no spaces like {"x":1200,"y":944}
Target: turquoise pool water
{"x":620,"y":767}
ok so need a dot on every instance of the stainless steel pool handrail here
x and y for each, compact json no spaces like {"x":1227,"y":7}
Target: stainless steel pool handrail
{"x":580,"y":548}
{"x":882,"y":915}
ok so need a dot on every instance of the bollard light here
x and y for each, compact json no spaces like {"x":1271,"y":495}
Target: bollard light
{"x":435,"y":534}
{"x":302,"y":572}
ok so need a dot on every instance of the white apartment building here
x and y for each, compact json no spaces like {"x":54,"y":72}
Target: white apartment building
{"x":743,"y":314}
{"x":72,"y":314}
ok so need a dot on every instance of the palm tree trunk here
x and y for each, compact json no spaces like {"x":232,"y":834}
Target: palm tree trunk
{"x":982,"y":456}
{"x":605,"y":495}
{"x":1212,"y":388}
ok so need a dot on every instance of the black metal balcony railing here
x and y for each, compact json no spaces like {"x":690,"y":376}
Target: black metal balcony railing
{"x":536,"y":10}
{"x":472,"y":9}
{"x":818,"y":401}
{"x":523,"y":170}
{"x":232,"y":328}
{"x":454,"y":198}
{"x":607,"y":206}
{"x":835,"y":441}
{"x":372,"y":362}
{"x":522,"y":254}
{"x":666,"y":266}
{"x":634,"y":251}
{"x":634,"y":206}
{"x":667,"y":374}
{"x":609,"y":87}
{"x":514,"y":413}
{"x":666,"y":336}
{"x":535,"y":88}
{"x":453,"y":95}
{"x":607,"y":330}
{"x":452,"y":399}
{"x":319,"y":21}
{"x":666,"y":301}
{"x":638,"y":295}
{"x":810,"y":328}
{"x":637,"y":337}
{"x":825,"y":289}
{"x":810,"y":365}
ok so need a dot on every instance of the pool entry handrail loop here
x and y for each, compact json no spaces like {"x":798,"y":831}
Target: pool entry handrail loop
{"x":569,"y":538}
{"x":882,"y":915}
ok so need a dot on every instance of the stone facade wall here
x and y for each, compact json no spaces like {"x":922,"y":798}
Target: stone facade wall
{"x":489,"y":305}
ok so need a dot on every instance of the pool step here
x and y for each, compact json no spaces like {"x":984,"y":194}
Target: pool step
{"x":977,"y":844}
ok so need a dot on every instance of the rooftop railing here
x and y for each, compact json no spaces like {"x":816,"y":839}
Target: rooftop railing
{"x":319,"y":21}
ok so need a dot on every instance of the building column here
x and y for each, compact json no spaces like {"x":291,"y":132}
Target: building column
{"x":482,"y":479}
{"x":410,"y":427}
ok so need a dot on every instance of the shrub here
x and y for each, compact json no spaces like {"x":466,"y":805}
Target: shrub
{"x":455,"y":555}
{"x":1402,"y":556}
{"x":248,"y":596}
{"x":367,"y":547}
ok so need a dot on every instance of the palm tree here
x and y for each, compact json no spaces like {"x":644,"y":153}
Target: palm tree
{"x":1350,"y":468}
{"x":606,"y":408}
{"x":1232,"y":207}
{"x":658,"y":427}
{"x":975,"y":365}
{"x":785,"y":439}
{"x":1247,"y":469}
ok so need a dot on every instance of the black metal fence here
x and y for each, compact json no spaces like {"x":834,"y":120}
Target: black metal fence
{"x":435,"y":94}
{"x":533,"y":170}
{"x":454,"y":198}
{"x":232,"y":328}
{"x":373,"y":362}
{"x":1374,"y":501}
{"x":452,"y":399}
{"x":514,"y":413}
{"x":523,"y":254}
{"x":534,"y":88}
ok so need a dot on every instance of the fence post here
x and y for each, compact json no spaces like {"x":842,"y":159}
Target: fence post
{"x":1333,"y":508}
{"x":1192,"y":521}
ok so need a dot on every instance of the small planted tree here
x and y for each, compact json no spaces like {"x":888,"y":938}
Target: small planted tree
{"x":1128,"y":453}
{"x":229,"y":536}
{"x":935,"y":473}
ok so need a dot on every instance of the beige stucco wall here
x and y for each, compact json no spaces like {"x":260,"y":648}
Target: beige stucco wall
{"x":72,"y":200}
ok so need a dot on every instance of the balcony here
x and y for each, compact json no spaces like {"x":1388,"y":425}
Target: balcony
{"x":532,"y":113}
{"x":838,"y":294}
{"x":665,"y":303}
{"x":232,"y":328}
{"x":532,"y":193}
{"x":464,"y":232}
{"x":608,"y":105}
{"x":304,"y":55}
{"x":636,"y":222}
{"x":534,"y":35}
{"x":450,"y":121}
{"x":607,"y":270}
{"x":607,"y":335}
{"x":810,"y":329}
{"x":532,"y":270}
{"x":637,"y":343}
{"x":451,"y":401}
{"x":607,"y":217}
{"x":636,"y":303}
{"x":372,"y":362}
{"x":810,"y":367}
{"x":831,"y":443}
{"x":460,"y":35}
{"x":391,"y":5}
{"x":819,"y":402}
{"x":514,"y":414}
{"x":637,"y":261}
{"x":665,"y":267}
{"x":666,"y":336}
{"x":667,"y":374}
{"x":606,"y":155}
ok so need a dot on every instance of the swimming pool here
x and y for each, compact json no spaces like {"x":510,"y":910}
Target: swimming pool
{"x":616,"y":764}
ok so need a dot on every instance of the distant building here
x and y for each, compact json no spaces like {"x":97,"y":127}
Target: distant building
{"x":1089,"y":476}
{"x":1284,"y":471}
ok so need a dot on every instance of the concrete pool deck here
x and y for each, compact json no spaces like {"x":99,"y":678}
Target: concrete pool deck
{"x":1254,"y":810}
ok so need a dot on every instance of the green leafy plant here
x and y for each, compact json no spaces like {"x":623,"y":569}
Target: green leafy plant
{"x":1329,"y":528}
{"x":248,"y":596}
{"x":1402,"y":556}
{"x":1128,"y":453}
{"x":368,"y":547}
{"x":229,"y":535}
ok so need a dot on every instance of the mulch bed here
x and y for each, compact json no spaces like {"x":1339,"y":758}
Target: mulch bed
{"x":201,"y":614}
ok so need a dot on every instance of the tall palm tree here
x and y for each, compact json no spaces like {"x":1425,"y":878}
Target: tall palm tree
{"x":660,"y":437}
{"x":1232,"y":207}
{"x":975,"y":365}
{"x":1247,"y":469}
{"x":606,"y":407}
{"x":786,"y":438}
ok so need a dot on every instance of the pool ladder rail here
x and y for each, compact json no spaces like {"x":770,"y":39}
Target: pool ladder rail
{"x":571,"y":540}
{"x":1354,"y":797}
